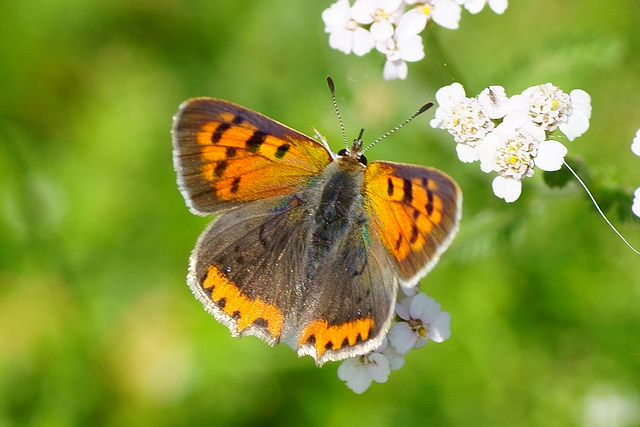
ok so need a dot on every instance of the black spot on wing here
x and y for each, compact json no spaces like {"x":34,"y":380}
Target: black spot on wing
{"x":235,"y":185}
{"x":399,"y":241}
{"x":414,"y":234}
{"x":282,"y":150}
{"x":221,"y":166}
{"x":407,"y":191}
{"x":220,"y":130}
{"x":261,"y":322}
{"x":429,"y":205}
{"x":255,"y":141}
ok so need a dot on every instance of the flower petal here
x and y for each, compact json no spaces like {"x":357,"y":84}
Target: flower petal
{"x":507,"y":189}
{"x":336,"y":16}
{"x":396,"y":360}
{"x":355,"y":374}
{"x":402,"y":337}
{"x":411,"y":49}
{"x":635,"y":207}
{"x":395,"y":70}
{"x":578,"y":122}
{"x":424,"y":307}
{"x":363,"y":41}
{"x":418,"y":303}
{"x":517,"y":111}
{"x":341,"y":40}
{"x":382,"y":30}
{"x":495,"y":100}
{"x":550,"y":155}
{"x":447,"y":95}
{"x":474,"y":6}
{"x":498,"y":6}
{"x":360,"y":382}
{"x":378,"y":367}
{"x":440,"y":328}
{"x":446,"y":13}
{"x":411,"y":24}
{"x":466,"y":153}
{"x":635,"y":145}
{"x":402,"y":308}
{"x":361,"y":12}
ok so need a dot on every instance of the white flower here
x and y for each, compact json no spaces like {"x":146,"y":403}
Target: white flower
{"x":405,"y":45}
{"x":467,"y":119}
{"x":345,"y":34}
{"x":513,"y":153}
{"x":635,"y":145}
{"x":381,"y":14}
{"x":423,"y":321}
{"x":359,"y":372}
{"x":635,"y":207}
{"x":550,"y":108}
{"x":475,"y":6}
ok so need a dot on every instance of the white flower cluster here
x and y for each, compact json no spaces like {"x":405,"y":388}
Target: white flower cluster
{"x":509,"y":135}
{"x":422,"y":320}
{"x":392,"y":27}
{"x":635,"y":147}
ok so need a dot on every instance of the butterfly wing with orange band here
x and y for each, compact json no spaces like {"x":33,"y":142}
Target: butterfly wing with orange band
{"x":227,"y":155}
{"x":415,"y":211}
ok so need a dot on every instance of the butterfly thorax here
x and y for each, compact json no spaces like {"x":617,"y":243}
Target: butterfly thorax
{"x":339,"y":205}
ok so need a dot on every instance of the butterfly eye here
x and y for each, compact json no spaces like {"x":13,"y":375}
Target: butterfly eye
{"x":362,"y":159}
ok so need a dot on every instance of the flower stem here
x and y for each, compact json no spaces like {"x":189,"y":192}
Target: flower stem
{"x":600,"y":210}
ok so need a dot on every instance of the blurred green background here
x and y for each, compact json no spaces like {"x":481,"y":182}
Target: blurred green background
{"x":97,"y":325}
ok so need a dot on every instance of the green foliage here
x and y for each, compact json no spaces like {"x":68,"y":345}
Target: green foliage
{"x":97,"y":325}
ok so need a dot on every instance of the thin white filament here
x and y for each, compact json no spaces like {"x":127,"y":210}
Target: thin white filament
{"x":593,"y":200}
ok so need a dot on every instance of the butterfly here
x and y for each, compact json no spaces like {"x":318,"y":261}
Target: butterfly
{"x":309,"y":248}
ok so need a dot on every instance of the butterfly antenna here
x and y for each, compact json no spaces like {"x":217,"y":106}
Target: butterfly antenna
{"x":422,"y":109}
{"x":332,"y":88}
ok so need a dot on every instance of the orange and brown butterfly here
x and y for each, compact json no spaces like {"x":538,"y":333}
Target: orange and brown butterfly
{"x":309,"y":247}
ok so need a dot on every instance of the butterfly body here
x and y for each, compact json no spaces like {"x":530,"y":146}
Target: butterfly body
{"x":310,"y":248}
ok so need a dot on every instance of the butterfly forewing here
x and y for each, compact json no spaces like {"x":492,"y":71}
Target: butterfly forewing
{"x":416,"y":211}
{"x":227,"y":155}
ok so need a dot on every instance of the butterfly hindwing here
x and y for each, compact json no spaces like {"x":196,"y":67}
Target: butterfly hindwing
{"x":422,"y":204}
{"x":227,"y":155}
{"x":246,"y":265}
{"x":347,"y":304}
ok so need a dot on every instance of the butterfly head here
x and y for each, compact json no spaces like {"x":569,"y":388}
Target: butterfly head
{"x":355,"y":152}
